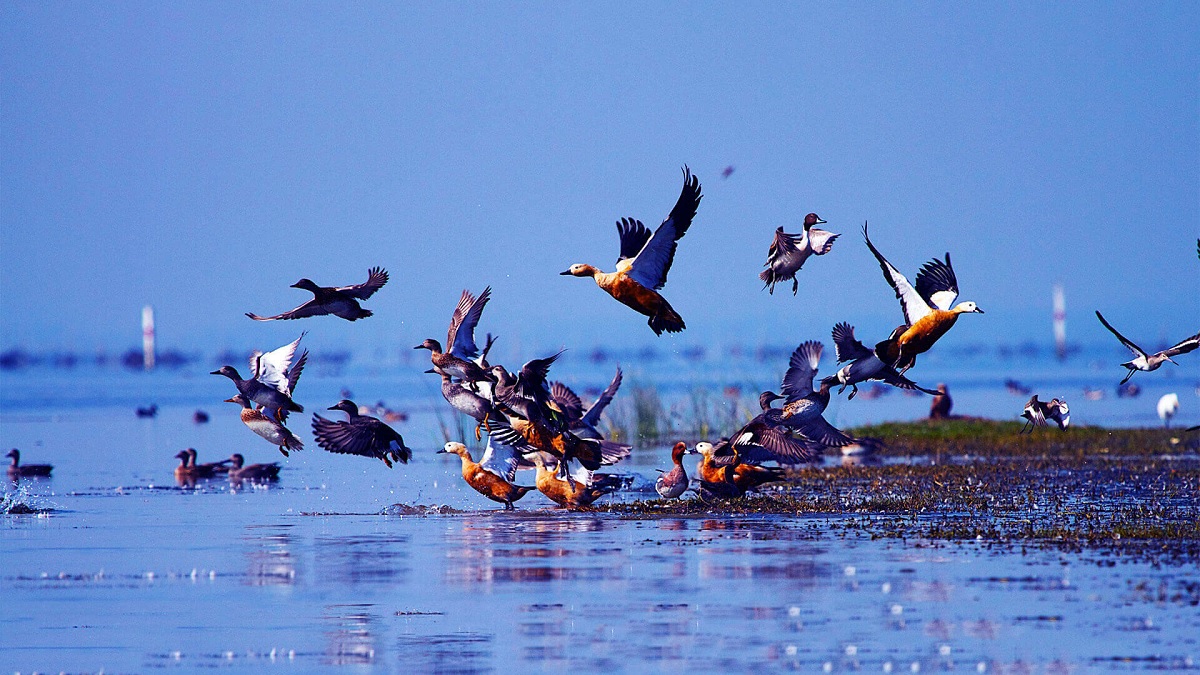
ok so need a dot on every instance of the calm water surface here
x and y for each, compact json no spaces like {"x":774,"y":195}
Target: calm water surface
{"x":129,"y":572}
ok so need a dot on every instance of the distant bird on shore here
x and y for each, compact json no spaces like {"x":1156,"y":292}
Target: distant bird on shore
{"x":671,"y":484}
{"x":864,"y":365}
{"x":269,"y":428}
{"x":929,"y":309}
{"x":646,"y":259}
{"x":240,"y":471}
{"x":272,"y":379}
{"x":788,"y":252}
{"x":200,"y":417}
{"x":456,"y":361}
{"x":147,"y":412}
{"x":340,"y":301}
{"x":939,"y":408}
{"x":1037,"y":412}
{"x":1148,"y":362}
{"x":17,"y":470}
{"x":494,"y":476}
{"x":1168,"y":407}
{"x":360,"y":435}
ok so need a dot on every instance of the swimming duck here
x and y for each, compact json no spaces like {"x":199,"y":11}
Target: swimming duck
{"x":279,"y":435}
{"x":340,"y":301}
{"x":241,"y":471}
{"x":723,"y":474}
{"x":1037,"y":412}
{"x":18,"y":470}
{"x":581,"y":423}
{"x":788,"y":252}
{"x":460,"y":340}
{"x":493,"y":479}
{"x":581,"y":490}
{"x":188,"y":469}
{"x":803,"y":407}
{"x":864,"y":365}
{"x":1148,"y":362}
{"x":671,"y":484}
{"x":929,"y":309}
{"x":361,"y":435}
{"x":272,"y":379}
{"x":646,"y":259}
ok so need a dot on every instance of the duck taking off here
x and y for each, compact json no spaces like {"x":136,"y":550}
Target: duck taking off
{"x":864,"y":365}
{"x":646,"y":259}
{"x":267,"y":427}
{"x":493,"y":476}
{"x":361,"y":435}
{"x":1148,"y":362}
{"x":272,"y":379}
{"x":340,"y":301}
{"x":788,"y":252}
{"x":457,"y":361}
{"x":929,"y":309}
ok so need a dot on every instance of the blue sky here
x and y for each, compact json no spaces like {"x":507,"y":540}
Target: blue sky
{"x":202,"y":157}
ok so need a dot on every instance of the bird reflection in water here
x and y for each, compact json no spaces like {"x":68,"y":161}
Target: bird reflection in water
{"x":532,"y":550}
{"x":269,"y":555}
{"x":364,"y":559}
{"x":351,"y":640}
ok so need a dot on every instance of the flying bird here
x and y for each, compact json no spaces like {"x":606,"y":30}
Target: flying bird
{"x":360,"y":435}
{"x":340,"y":301}
{"x":457,"y":361}
{"x":864,"y":365}
{"x":267,"y":427}
{"x":1148,"y":362}
{"x":803,"y":406}
{"x":1037,"y":412}
{"x":929,"y":309}
{"x":788,"y":252}
{"x":272,"y":379}
{"x":646,"y":259}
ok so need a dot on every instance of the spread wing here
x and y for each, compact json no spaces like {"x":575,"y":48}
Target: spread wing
{"x":310,"y":308}
{"x":272,"y":368}
{"x":1034,"y":411}
{"x":366,"y":437}
{"x":592,"y":417}
{"x":802,"y":367}
{"x":503,"y":460}
{"x":783,"y":246}
{"x":937,"y":284}
{"x":532,"y":378}
{"x":847,"y":347}
{"x":760,"y":442}
{"x":651,"y":265}
{"x":503,"y":433}
{"x":820,"y":431}
{"x":911,"y":302}
{"x":568,"y":402}
{"x":890,"y":376}
{"x":1184,"y":347}
{"x":460,"y":338}
{"x":821,"y":241}
{"x":376,"y":278}
{"x":634,"y":236}
{"x":1137,"y":351}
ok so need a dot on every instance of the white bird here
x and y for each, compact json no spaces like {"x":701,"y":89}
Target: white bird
{"x":1148,"y":362}
{"x":1168,"y":405}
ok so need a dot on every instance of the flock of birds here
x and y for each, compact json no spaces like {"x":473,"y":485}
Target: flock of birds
{"x":533,"y":423}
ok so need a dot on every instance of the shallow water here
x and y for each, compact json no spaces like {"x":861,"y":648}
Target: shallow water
{"x":128,"y":572}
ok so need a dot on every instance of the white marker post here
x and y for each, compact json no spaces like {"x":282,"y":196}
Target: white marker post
{"x":148,"y":337}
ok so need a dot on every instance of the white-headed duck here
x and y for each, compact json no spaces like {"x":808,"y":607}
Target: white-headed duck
{"x":788,"y":252}
{"x":646,"y":259}
{"x":17,"y":470}
{"x":340,"y":301}
{"x":723,"y":475}
{"x":580,"y":490}
{"x":929,"y":309}
{"x":1147,"y":362}
{"x":494,"y":479}
{"x":361,"y":435}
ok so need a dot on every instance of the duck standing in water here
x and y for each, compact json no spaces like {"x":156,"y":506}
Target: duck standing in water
{"x":240,"y":471}
{"x":579,"y":491}
{"x":929,"y":309}
{"x":456,"y":361}
{"x":17,"y":470}
{"x":361,"y":435}
{"x":1037,"y":412}
{"x":646,"y":259}
{"x":724,"y":475}
{"x":671,"y":484}
{"x":1148,"y":362}
{"x":864,"y":365}
{"x":272,"y":379}
{"x":277,"y":434}
{"x":788,"y":252}
{"x":340,"y":301}
{"x":492,"y":477}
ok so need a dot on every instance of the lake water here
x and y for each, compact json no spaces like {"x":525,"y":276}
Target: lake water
{"x":129,"y":572}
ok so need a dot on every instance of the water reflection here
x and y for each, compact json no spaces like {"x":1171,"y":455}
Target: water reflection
{"x":364,"y":559}
{"x":533,"y":550}
{"x":269,"y":555}
{"x":464,"y":652}
{"x":352,"y":639}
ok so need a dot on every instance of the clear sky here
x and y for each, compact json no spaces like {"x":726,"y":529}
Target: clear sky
{"x":203,"y":156}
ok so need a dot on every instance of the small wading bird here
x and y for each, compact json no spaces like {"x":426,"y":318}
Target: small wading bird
{"x":1037,"y":412}
{"x":270,"y":429}
{"x":788,"y":252}
{"x":460,"y":341}
{"x":360,"y":435}
{"x":929,"y":309}
{"x":1148,"y":362}
{"x":340,"y":301}
{"x":646,"y":259}
{"x":272,"y":379}
{"x":493,"y":476}
{"x":18,"y":470}
{"x":864,"y":365}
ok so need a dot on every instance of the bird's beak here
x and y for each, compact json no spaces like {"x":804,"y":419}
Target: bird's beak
{"x":333,"y":407}
{"x":565,"y":274}
{"x":230,"y":400}
{"x":441,"y":452}
{"x":419,"y":347}
{"x":215,"y":372}
{"x":431,"y":371}
{"x":821,"y":222}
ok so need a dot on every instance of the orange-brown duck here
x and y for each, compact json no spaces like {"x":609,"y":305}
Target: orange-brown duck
{"x":493,"y":477}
